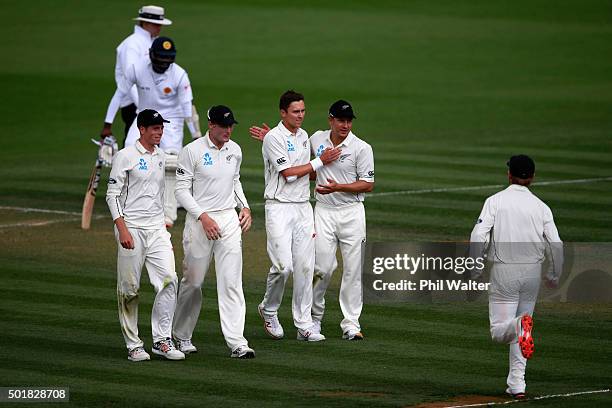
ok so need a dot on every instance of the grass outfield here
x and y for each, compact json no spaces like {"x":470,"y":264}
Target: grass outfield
{"x":445,"y":92}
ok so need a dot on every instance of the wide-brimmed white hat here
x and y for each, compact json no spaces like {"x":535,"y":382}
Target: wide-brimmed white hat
{"x":153,"y":14}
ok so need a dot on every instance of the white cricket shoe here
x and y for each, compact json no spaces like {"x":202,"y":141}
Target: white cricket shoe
{"x":352,"y":335}
{"x":271,"y":325}
{"x":243,"y":352}
{"x":166,"y":349}
{"x":309,"y":335}
{"x":138,"y":354}
{"x":186,"y":346}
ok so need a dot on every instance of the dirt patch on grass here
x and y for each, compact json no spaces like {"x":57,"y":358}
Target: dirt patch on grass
{"x":461,"y":400}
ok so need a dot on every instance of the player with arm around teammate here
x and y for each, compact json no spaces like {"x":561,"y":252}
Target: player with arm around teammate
{"x":134,"y":197}
{"x":164,"y":86}
{"x":340,"y":216}
{"x":208,"y":187}
{"x":289,"y":218}
{"x":517,"y":230}
{"x":131,"y":51}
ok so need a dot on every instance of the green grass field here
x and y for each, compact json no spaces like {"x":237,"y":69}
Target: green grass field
{"x":444,"y":91}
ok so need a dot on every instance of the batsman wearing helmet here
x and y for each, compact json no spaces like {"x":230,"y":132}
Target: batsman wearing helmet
{"x":164,"y":86}
{"x":516,"y":231}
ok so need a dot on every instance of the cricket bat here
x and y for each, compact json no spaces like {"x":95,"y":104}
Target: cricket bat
{"x":90,"y":195}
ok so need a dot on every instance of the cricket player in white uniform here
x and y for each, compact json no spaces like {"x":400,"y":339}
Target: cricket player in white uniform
{"x":131,"y":51}
{"x":517,"y":231}
{"x":289,"y":218}
{"x":135,"y":199}
{"x":164,"y":86}
{"x":340,"y":216}
{"x":208,"y":187}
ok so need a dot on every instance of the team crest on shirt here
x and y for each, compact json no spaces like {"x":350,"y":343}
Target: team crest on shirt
{"x":142,"y":165}
{"x":160,"y":165}
{"x":343,"y":157}
{"x":479,"y":221}
{"x":320,"y":150}
{"x":229,"y":158}
{"x":207,"y":160}
{"x":290,"y":146}
{"x":371,"y":173}
{"x":305,"y":144}
{"x":180,"y":172}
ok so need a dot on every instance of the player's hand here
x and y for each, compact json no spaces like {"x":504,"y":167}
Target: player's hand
{"x":329,"y":155}
{"x":551,"y":283}
{"x":245,"y":219}
{"x":331,"y":187}
{"x":259,"y":133}
{"x":125,"y":238}
{"x":106,"y":131}
{"x":212,"y":230}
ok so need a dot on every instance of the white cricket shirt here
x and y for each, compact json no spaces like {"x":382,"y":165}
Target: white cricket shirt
{"x":168,"y":93}
{"x":136,"y":187}
{"x":356,"y":162}
{"x":520,"y":226}
{"x":281,"y":150}
{"x":131,"y":51}
{"x":208,"y":178}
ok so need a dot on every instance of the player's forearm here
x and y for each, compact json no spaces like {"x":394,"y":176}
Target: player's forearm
{"x":303,"y":170}
{"x":359,"y":186}
{"x":297,"y":171}
{"x":240,"y":197}
{"x":121,"y":225}
{"x":113,"y":107}
{"x":186,"y":200}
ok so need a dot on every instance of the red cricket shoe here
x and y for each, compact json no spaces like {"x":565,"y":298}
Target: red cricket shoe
{"x":525,"y":339}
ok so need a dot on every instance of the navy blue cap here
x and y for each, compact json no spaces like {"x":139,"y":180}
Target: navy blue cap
{"x":149,"y":117}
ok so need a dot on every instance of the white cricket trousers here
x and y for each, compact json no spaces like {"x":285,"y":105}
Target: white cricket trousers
{"x":170,"y":204}
{"x":512,"y":294}
{"x":290,"y":242}
{"x":346,"y":226}
{"x":171,"y":143}
{"x":227,"y":252}
{"x":153,"y":249}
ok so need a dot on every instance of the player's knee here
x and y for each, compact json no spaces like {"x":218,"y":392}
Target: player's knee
{"x":169,"y":281}
{"x":282,"y":270}
{"x":498,"y":334}
{"x":127,"y":291}
{"x":325,"y":267}
{"x":191,"y":277}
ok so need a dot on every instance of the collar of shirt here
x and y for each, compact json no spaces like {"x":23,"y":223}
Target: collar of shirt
{"x":346,"y":142}
{"x":214,"y":146}
{"x":285,"y":131}
{"x":138,"y":30}
{"x":142,"y":149}
{"x":517,"y":187}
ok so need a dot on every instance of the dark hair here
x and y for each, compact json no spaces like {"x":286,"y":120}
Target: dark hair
{"x":288,"y":97}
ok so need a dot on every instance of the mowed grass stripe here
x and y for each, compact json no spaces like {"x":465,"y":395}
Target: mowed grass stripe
{"x":190,"y":375}
{"x":96,"y":392}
